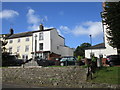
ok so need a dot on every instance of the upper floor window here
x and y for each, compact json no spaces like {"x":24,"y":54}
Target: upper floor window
{"x":41,"y":46}
{"x":18,"y":40}
{"x":18,"y":48}
{"x":26,"y":48}
{"x":11,"y":41}
{"x":40,"y":36}
{"x":27,"y":39}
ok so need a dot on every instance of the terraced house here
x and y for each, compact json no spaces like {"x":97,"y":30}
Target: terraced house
{"x":45,"y":43}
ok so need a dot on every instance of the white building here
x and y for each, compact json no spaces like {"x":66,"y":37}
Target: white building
{"x":49,"y":44}
{"x":44,"y":43}
{"x":20,"y":44}
{"x":103,"y":49}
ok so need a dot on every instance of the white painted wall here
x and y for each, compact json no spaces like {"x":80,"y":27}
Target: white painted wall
{"x":96,"y":52}
{"x":22,"y":45}
{"x":52,"y":42}
{"x":66,"y":51}
{"x":46,"y":41}
{"x":56,"y":41}
{"x":107,"y":51}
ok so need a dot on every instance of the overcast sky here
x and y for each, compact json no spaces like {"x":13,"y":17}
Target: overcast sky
{"x":74,"y":21}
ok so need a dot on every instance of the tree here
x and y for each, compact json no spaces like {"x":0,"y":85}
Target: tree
{"x":111,"y":18}
{"x":80,"y":50}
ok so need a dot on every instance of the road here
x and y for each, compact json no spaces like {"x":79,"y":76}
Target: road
{"x":18,"y":86}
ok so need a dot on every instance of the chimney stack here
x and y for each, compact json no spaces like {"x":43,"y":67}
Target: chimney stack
{"x":41,"y":27}
{"x":11,"y":31}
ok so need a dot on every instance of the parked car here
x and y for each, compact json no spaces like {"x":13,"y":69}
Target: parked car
{"x":11,"y":60}
{"x":113,"y":60}
{"x":44,"y":62}
{"x":68,"y":60}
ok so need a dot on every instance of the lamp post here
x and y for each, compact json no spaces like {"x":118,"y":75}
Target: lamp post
{"x":91,"y":45}
{"x":89,"y":69}
{"x":35,"y":46}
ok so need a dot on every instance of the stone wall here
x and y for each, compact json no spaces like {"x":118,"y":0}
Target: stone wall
{"x":60,"y":77}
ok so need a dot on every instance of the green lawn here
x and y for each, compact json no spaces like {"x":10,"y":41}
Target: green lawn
{"x":110,"y":75}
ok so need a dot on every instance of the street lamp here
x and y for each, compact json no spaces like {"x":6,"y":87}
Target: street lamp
{"x":35,"y":46}
{"x":91,"y":45}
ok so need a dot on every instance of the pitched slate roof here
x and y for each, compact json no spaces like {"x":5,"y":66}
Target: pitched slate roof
{"x":5,"y":36}
{"x":26,"y":34}
{"x":98,"y":46}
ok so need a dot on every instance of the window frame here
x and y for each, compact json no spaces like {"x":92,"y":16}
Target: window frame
{"x":40,"y":44}
{"x":18,"y":49}
{"x":18,"y":40}
{"x":27,"y":39}
{"x":10,"y":49}
{"x":27,"y":48}
{"x":41,"y":36}
{"x":11,"y":41}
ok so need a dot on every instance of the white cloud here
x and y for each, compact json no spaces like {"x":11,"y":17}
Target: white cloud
{"x":6,"y":14}
{"x":59,"y":32}
{"x":65,"y":29}
{"x":86,"y":28}
{"x":34,"y":20}
{"x":33,"y":27}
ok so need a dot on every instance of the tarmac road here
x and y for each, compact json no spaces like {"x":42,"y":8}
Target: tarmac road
{"x":22,"y":87}
{"x":18,"y":86}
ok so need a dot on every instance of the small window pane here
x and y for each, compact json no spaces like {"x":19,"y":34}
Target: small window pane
{"x":11,"y":41}
{"x":10,"y":49}
{"x":27,"y":39}
{"x":18,"y":40}
{"x":18,"y":48}
{"x":40,"y":36}
{"x":41,"y":46}
{"x":27,"y":48}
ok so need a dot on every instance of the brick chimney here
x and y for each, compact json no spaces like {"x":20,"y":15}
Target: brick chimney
{"x":41,"y":27}
{"x":11,"y":31}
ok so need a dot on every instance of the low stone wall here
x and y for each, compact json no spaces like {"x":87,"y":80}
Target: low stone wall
{"x":60,"y":77}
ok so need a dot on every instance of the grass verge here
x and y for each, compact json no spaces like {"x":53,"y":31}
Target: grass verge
{"x":108,"y":75}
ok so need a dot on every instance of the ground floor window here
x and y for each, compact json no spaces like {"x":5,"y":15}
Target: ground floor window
{"x":10,"y":49}
{"x":25,"y":57}
{"x":42,"y":55}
